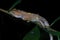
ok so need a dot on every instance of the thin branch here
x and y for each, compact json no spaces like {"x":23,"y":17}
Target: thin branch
{"x":55,"y":21}
{"x":5,"y":11}
{"x":17,"y":2}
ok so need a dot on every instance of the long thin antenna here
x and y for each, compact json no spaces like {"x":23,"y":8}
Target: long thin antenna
{"x":17,"y":2}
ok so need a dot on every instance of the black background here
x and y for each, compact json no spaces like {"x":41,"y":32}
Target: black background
{"x":46,"y":8}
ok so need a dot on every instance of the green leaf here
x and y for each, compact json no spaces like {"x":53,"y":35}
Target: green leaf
{"x":34,"y":34}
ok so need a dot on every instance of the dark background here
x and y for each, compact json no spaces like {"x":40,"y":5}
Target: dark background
{"x":10,"y":26}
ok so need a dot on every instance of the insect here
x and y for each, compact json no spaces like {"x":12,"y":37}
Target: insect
{"x":41,"y":21}
{"x":28,"y":17}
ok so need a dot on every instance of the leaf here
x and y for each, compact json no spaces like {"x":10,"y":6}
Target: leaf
{"x":33,"y":35}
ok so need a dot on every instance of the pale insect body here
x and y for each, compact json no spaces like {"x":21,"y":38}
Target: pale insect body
{"x":30,"y":17}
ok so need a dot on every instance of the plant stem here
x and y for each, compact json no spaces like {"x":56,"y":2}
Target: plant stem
{"x":58,"y":37}
{"x":55,"y":21}
{"x":17,"y":2}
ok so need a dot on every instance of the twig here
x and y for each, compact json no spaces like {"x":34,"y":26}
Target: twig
{"x":55,"y":21}
{"x":3,"y":10}
{"x":17,"y":2}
